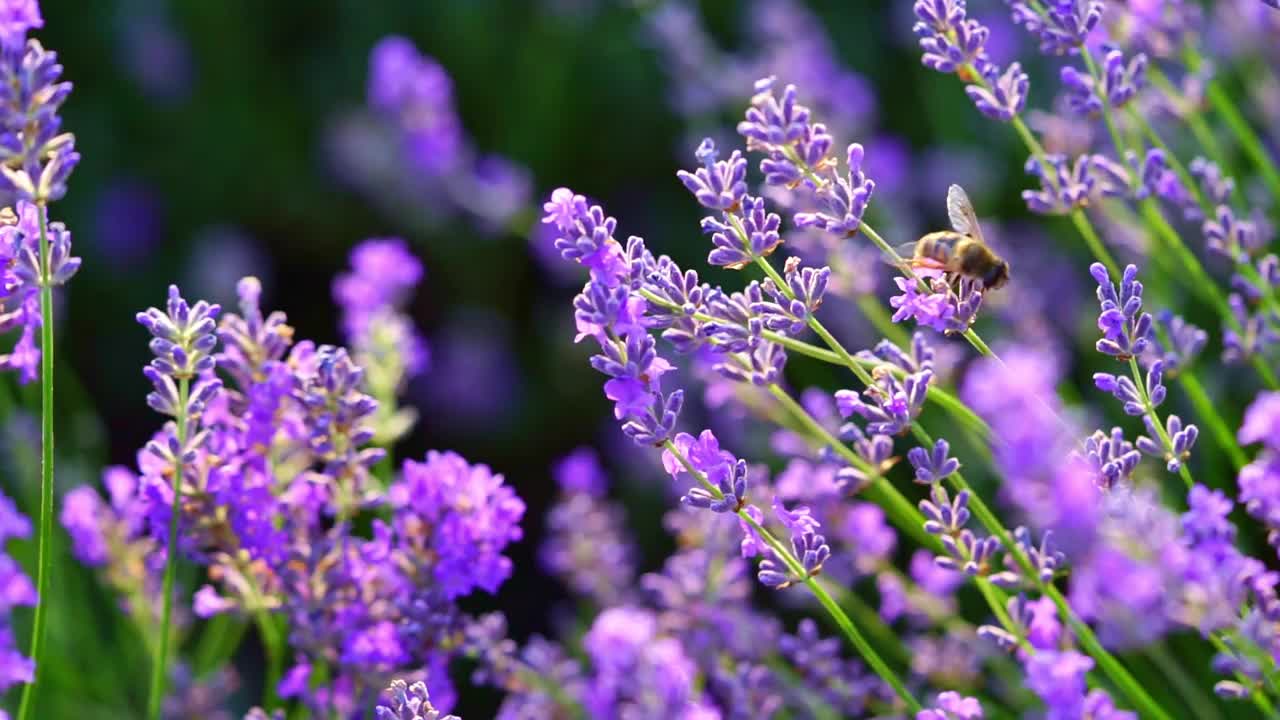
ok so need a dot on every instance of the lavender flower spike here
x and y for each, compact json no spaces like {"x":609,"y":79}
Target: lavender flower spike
{"x":718,"y":184}
{"x":1126,"y":329}
{"x":843,"y":204}
{"x":951,"y":41}
{"x":409,"y":702}
{"x":1006,"y":96}
{"x":952,"y":705}
{"x":183,"y":343}
{"x":935,"y":465}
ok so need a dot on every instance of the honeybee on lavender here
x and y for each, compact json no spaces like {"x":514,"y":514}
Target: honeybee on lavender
{"x":962,"y":251}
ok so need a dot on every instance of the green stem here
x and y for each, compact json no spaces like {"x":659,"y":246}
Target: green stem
{"x":1199,"y":128}
{"x":851,"y":632}
{"x":274,"y":646}
{"x":1182,"y":682}
{"x":1085,"y":228}
{"x":1200,"y":282}
{"x":875,"y":313}
{"x":868,"y":618}
{"x":1248,"y":139}
{"x":218,"y":642}
{"x":1208,"y":413}
{"x":1165,"y":441}
{"x":1256,"y":694}
{"x":160,"y":667}
{"x":44,"y":550}
{"x":864,"y":648}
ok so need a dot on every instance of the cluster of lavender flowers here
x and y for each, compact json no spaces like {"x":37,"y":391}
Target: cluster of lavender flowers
{"x":274,"y":460}
{"x":1080,"y":495}
{"x":410,"y":155}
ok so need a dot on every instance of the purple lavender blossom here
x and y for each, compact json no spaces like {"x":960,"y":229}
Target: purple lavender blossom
{"x":1232,"y":237}
{"x":37,"y":159}
{"x":953,"y":706}
{"x":952,"y":42}
{"x":842,"y":204}
{"x":1112,"y":458}
{"x":933,"y":465}
{"x":1260,"y":480}
{"x":946,"y":518}
{"x":1121,"y":82}
{"x":1066,"y":186}
{"x":409,"y":702}
{"x":587,"y":545}
{"x":931,"y":309}
{"x":759,"y":226}
{"x":418,"y":94}
{"x":1160,"y":180}
{"x":17,"y":17}
{"x":1177,"y":344}
{"x":890,"y":404}
{"x":718,"y":184}
{"x":1126,"y":329}
{"x":382,"y":336}
{"x":584,"y":234}
{"x":473,"y":516}
{"x":21,"y":280}
{"x":383,"y":274}
{"x":1006,"y":94}
{"x":842,"y":684}
{"x":1062,"y":27}
{"x":581,"y":472}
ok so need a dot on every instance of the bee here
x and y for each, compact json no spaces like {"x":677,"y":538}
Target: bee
{"x":961,"y":251}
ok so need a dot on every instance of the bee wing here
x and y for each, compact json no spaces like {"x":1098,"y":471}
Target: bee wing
{"x":963,"y":218}
{"x":906,"y":252}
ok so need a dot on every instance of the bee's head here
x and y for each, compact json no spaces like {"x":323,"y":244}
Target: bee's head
{"x":997,"y":276}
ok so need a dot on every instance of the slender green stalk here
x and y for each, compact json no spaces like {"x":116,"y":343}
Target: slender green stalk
{"x":1165,"y":441}
{"x":1258,"y":697}
{"x":1182,"y":682}
{"x":218,"y":642}
{"x":1085,"y":228}
{"x":1208,"y":413}
{"x":784,"y":554}
{"x":1245,"y":135}
{"x":866,"y":617}
{"x":273,"y":643}
{"x":44,"y":549}
{"x":875,"y":313}
{"x":160,"y":668}
{"x":1199,"y":128}
{"x":860,"y":643}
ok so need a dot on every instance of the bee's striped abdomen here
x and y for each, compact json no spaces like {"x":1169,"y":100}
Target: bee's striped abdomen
{"x":938,"y":246}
